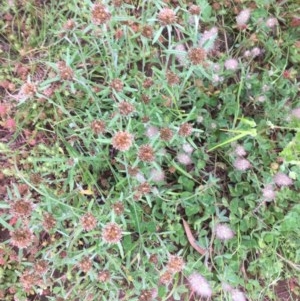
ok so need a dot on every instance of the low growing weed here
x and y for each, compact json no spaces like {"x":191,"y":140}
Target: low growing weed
{"x":149,"y":150}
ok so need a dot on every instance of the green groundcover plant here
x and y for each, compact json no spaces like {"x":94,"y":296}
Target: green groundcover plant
{"x":150,"y":150}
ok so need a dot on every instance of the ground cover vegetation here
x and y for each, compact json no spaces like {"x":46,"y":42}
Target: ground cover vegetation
{"x":150,"y":150}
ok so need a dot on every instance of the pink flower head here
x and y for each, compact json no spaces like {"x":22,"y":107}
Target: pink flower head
{"x":240,"y":151}
{"x":271,"y":22}
{"x":231,"y":64}
{"x":157,"y":175}
{"x":237,"y":295}
{"x":296,"y":113}
{"x":199,"y":285}
{"x":223,"y":232}
{"x":243,"y":17}
{"x":184,"y":159}
{"x":281,"y":179}
{"x":269,"y":193}
{"x":241,"y":164}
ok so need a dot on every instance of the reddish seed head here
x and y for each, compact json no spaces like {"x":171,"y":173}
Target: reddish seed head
{"x":146,"y":295}
{"x":167,"y":16}
{"x":197,"y":55}
{"x":98,"y":127}
{"x":21,"y":238}
{"x":125,"y":108}
{"x":146,"y":153}
{"x":10,"y":124}
{"x":194,"y":10}
{"x":166,"y":134}
{"x":166,"y":277}
{"x":122,"y":141}
{"x":27,"y":90}
{"x":21,"y":208}
{"x":48,"y":222}
{"x":104,"y":276}
{"x":172,"y":78}
{"x":144,"y":188}
{"x":147,"y":31}
{"x":118,"y":208}
{"x":100,"y":14}
{"x":88,"y":222}
{"x":41,"y":266}
{"x":69,"y":25}
{"x":185,"y":129}
{"x":65,"y":72}
{"x":112,"y":233}
{"x":117,"y":85}
{"x":85,"y":264}
{"x":175,"y":264}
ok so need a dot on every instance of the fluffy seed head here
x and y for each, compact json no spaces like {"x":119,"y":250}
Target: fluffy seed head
{"x":241,"y":164}
{"x":112,"y":233}
{"x":197,"y":55}
{"x":199,"y":285}
{"x":41,"y":266}
{"x":122,"y":141}
{"x":243,"y":17}
{"x":100,"y":14}
{"x":175,"y":264}
{"x":281,"y":179}
{"x":88,"y":222}
{"x":167,"y":16}
{"x":231,"y":64}
{"x":21,"y":238}
{"x":223,"y":232}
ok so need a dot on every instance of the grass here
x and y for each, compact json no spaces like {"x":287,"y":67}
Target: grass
{"x":199,"y":198}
